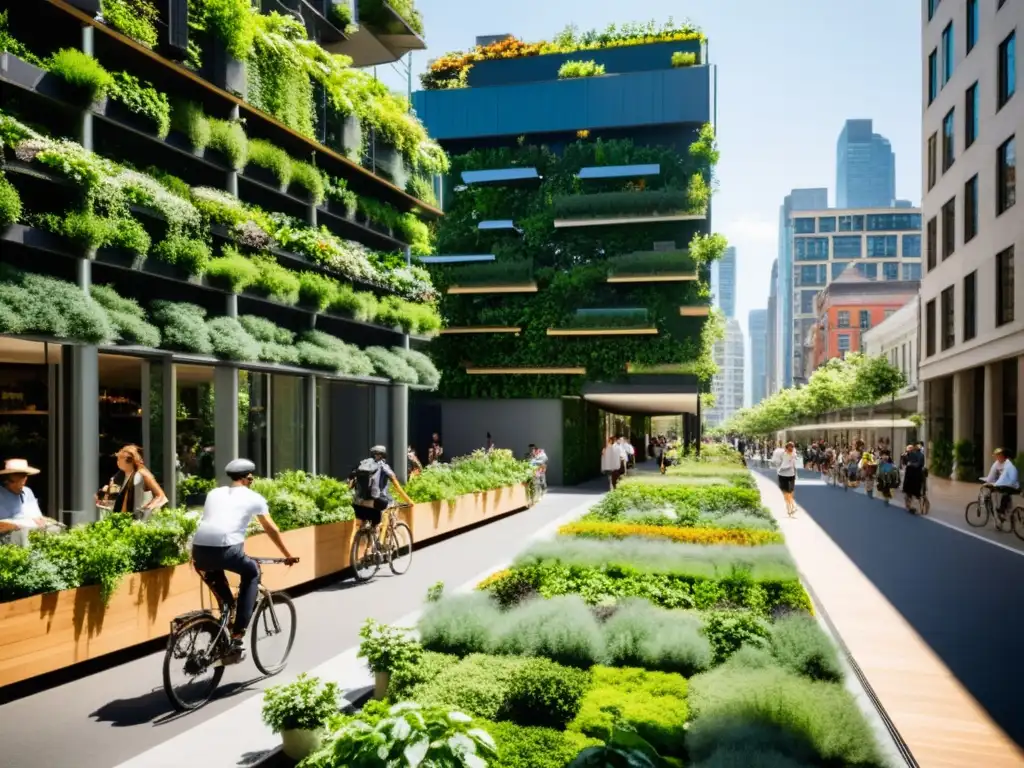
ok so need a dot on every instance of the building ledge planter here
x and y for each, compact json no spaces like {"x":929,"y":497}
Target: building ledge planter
{"x":33,"y":78}
{"x":221,"y":68}
{"x":263,"y":176}
{"x":390,"y":163}
{"x":181,"y":142}
{"x":117,"y":112}
{"x":298,"y":743}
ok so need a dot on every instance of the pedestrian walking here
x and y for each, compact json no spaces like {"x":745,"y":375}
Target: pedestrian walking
{"x":785,"y":466}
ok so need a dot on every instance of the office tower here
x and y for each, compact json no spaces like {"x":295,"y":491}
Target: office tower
{"x":757,"y":331}
{"x":971,"y":366}
{"x":865,"y":168}
{"x":772,"y":333}
{"x":725,"y":288}
{"x":727,"y":385}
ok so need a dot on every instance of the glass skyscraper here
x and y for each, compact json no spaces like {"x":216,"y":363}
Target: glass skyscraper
{"x":757,"y":325}
{"x":724,"y":282}
{"x":865,"y":168}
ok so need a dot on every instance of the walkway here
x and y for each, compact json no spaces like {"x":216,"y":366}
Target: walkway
{"x":930,"y":615}
{"x":113,"y":716}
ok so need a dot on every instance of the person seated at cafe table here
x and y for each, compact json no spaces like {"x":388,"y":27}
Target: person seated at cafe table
{"x":19,"y":507}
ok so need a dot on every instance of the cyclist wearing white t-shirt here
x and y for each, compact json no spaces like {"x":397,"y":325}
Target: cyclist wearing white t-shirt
{"x":219,"y":545}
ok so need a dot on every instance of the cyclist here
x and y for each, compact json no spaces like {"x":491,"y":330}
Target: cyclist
{"x":219,"y":545}
{"x":369,"y":484}
{"x":1002,"y":479}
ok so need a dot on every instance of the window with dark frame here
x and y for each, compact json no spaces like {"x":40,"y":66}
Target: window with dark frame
{"x":929,"y":330}
{"x":843,"y":319}
{"x":948,"y":140}
{"x":1004,"y":287}
{"x":1006,"y":175}
{"x":972,"y":24}
{"x":933,"y":75}
{"x":947,"y":53}
{"x":971,"y":208}
{"x":948,"y":317}
{"x":864,"y":319}
{"x":933,"y":159}
{"x":971,"y":306}
{"x":1007,"y":84}
{"x":932,"y":5}
{"x":973,"y":110}
{"x":932,"y":242}
{"x":948,"y":228}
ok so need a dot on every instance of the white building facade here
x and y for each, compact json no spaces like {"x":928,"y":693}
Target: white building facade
{"x":972,"y":335}
{"x":728,"y":384}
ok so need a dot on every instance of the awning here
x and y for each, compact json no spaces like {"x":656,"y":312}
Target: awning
{"x":656,"y":395}
{"x":859,"y":424}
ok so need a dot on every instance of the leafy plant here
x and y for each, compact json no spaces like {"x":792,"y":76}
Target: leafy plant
{"x":543,"y":693}
{"x":374,"y":14}
{"x":188,"y":254}
{"x":387,"y":648}
{"x":82,"y":72}
{"x":142,"y":99}
{"x":642,"y":263}
{"x":189,"y":118}
{"x":573,"y":69}
{"x":318,"y":350}
{"x":39,"y":305}
{"x":684,"y":59}
{"x":640,"y":635}
{"x":435,"y":592}
{"x":310,"y":179}
{"x":525,"y":747}
{"x":182,"y":326}
{"x":266,"y":155}
{"x":469,"y":474}
{"x":277,"y":345}
{"x":127,"y":318}
{"x":427,"y":374}
{"x":305,"y":704}
{"x":233,"y":269}
{"x":228,"y":137}
{"x":84,"y":228}
{"x":135,"y":18}
{"x":514,"y":272}
{"x":729,"y":631}
{"x":316,"y":290}
{"x":231,"y":341}
{"x":800,"y":645}
{"x":603,"y":204}
{"x":340,"y":15}
{"x":390,"y":366}
{"x":594,"y":529}
{"x":230,"y":20}
{"x":275,"y":281}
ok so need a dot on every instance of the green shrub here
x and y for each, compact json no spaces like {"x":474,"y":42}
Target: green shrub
{"x":477,"y":685}
{"x":687,"y":500}
{"x":361,"y":305}
{"x":480,"y":471}
{"x":684,"y":59}
{"x":720,"y":742}
{"x":729,"y":630}
{"x":304,"y":704}
{"x":389,"y":365}
{"x":83,"y":228}
{"x":183,"y":327}
{"x":800,"y":645}
{"x":126,"y":317}
{"x":651,"y":703}
{"x":277,"y":345}
{"x":142,"y":99}
{"x":45,"y":306}
{"x":232,"y":21}
{"x":573,"y":69}
{"x":188,"y":118}
{"x":10,"y":203}
{"x":611,"y":204}
{"x":641,"y":635}
{"x":273,"y":158}
{"x":562,"y":629}
{"x":319,"y":350}
{"x":310,"y":179}
{"x":316,"y":290}
{"x":187,"y":254}
{"x":228,"y":137}
{"x":422,"y":189}
{"x":430,"y":665}
{"x":231,"y":341}
{"x":525,"y":747}
{"x":543,"y":693}
{"x":427,"y":374}
{"x":823,"y":715}
{"x":135,"y":18}
{"x":82,"y":72}
{"x":130,"y":235}
{"x":233,"y":270}
{"x":459,"y":624}
{"x":276,"y":282}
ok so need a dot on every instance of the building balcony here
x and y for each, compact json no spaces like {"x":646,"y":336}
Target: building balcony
{"x":662,"y":97}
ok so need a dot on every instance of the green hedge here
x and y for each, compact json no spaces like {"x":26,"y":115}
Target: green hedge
{"x":480,"y":471}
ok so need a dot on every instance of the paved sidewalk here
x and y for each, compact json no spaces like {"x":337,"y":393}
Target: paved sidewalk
{"x":937,"y":717}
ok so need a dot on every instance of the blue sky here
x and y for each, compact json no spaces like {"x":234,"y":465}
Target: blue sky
{"x":790,"y":72}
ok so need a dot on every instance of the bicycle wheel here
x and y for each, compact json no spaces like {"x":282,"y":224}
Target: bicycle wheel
{"x":926,"y":505}
{"x":273,"y":632}
{"x":976,"y":514}
{"x":398,"y":545}
{"x":365,"y":562}
{"x":1017,"y":521}
{"x":192,"y":648}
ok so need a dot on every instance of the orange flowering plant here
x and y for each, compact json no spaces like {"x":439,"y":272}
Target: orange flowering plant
{"x":602,"y":530}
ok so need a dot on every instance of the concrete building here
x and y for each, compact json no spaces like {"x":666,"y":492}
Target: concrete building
{"x":865,"y":168}
{"x":881,"y":244}
{"x":728,"y":384}
{"x":814,"y":199}
{"x":897,"y":337}
{"x":757,"y":330}
{"x":725,"y":282}
{"x":771,"y":363}
{"x":972,"y":368}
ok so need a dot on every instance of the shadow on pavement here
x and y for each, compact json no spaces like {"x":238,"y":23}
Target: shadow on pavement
{"x":963,"y":596}
{"x":154,"y":707}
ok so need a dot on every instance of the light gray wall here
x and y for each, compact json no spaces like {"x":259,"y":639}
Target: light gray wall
{"x":513,"y":424}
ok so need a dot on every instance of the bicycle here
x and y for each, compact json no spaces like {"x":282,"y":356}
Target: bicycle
{"x":978,"y":513}
{"x":271,"y":610}
{"x":396,"y":549}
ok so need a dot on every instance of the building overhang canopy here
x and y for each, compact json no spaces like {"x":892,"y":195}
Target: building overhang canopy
{"x":654,"y":395}
{"x":857,"y":424}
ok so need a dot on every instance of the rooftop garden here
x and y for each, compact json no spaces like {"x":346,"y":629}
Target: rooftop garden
{"x":452,"y":69}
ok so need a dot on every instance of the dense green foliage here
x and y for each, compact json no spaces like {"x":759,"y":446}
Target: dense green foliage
{"x":574,"y":69}
{"x":479,"y":471}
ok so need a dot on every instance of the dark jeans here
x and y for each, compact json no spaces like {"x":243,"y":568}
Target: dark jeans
{"x":213,"y":561}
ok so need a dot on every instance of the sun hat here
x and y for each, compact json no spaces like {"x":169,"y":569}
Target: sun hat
{"x":18,"y":467}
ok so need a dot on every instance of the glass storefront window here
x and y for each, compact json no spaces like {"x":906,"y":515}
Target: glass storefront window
{"x":253,"y":418}
{"x":195,"y":421}
{"x":287,"y":423}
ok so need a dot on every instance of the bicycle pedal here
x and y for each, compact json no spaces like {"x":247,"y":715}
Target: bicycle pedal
{"x":231,"y":659}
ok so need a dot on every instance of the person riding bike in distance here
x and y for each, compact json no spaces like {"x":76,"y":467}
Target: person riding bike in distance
{"x":369,"y":484}
{"x":1002,"y":478}
{"x":219,"y":545}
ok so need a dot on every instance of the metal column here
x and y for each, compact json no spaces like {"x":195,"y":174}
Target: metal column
{"x":311,"y":390}
{"x":225,"y":417}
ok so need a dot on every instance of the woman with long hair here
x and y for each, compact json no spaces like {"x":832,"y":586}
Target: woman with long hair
{"x":785,"y":467}
{"x":126,"y":491}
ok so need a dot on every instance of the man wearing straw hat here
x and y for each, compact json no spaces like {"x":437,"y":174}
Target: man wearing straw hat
{"x":18,"y":505}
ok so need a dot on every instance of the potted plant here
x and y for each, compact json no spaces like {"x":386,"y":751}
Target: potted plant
{"x":386,"y":649}
{"x":298,"y":711}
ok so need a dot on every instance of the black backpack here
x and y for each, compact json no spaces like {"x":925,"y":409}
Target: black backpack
{"x":367,"y":477}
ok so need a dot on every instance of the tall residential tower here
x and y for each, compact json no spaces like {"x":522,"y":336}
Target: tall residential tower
{"x":757,"y":329}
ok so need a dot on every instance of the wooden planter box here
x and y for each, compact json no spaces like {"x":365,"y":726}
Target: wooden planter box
{"x":48,"y":632}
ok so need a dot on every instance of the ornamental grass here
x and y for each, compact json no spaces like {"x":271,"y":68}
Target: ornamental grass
{"x":609,"y":530}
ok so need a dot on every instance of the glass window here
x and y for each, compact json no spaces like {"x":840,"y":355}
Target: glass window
{"x":253,"y":398}
{"x":911,"y":271}
{"x":933,"y":76}
{"x":933,"y":159}
{"x":948,"y":228}
{"x":803,"y":226}
{"x":948,"y":140}
{"x":870,"y":271}
{"x":970,"y":306}
{"x":973,"y":108}
{"x":1004,"y":287}
{"x":882,"y":246}
{"x":838,"y":267}
{"x":972,"y":24}
{"x":947,"y":53}
{"x":843,"y":342}
{"x":948,"y":310}
{"x":889,"y":222}
{"x":932,"y":5}
{"x":807,"y":302}
{"x":811,"y":248}
{"x":932,"y":242}
{"x":911,"y":246}
{"x":810,"y":275}
{"x":847,"y":246}
{"x":826,"y":223}
{"x":971,"y":208}
{"x":865,"y":319}
{"x":853,"y":223}
{"x":891,"y":270}
{"x":1007,"y":85}
{"x":843,"y":319}
{"x":287,"y":423}
{"x":929,"y":341}
{"x":1006,"y":175}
